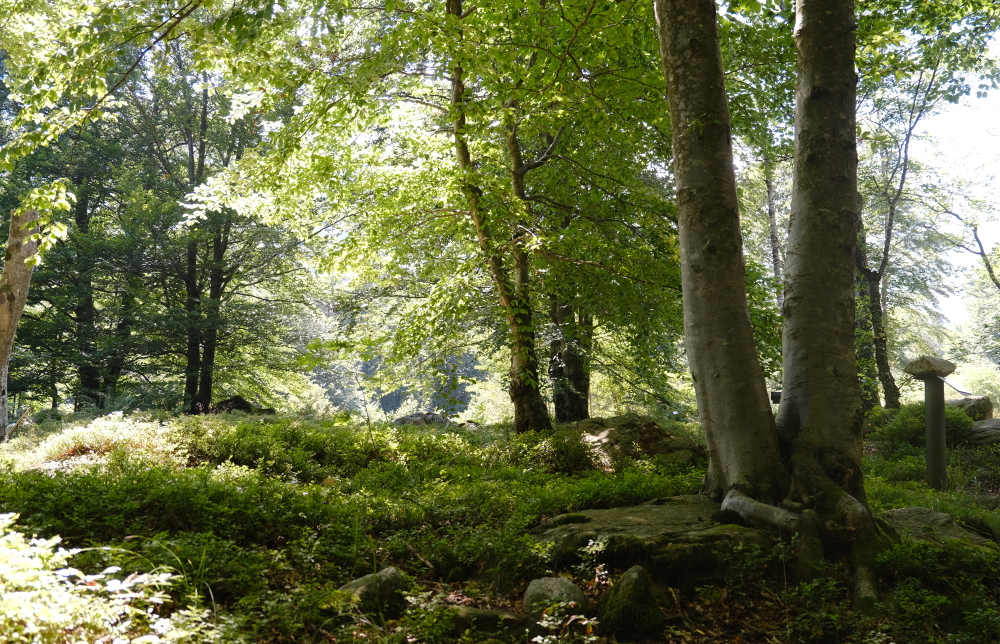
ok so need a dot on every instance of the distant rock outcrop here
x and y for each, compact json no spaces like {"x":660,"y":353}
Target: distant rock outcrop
{"x":239,"y":403}
{"x":429,"y":418}
{"x":976,"y":407}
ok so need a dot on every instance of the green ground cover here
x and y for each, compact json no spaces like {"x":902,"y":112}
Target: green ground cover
{"x":260,"y":519}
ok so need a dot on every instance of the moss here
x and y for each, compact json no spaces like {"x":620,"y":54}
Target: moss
{"x":629,"y":611}
{"x":566,"y":519}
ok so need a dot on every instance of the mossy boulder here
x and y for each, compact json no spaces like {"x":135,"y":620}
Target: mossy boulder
{"x":924,"y":524}
{"x":632,"y":436}
{"x":629,"y":611}
{"x":380,"y":593}
{"x":675,"y":539}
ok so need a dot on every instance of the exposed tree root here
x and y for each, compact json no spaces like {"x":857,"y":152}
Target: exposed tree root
{"x":849,"y":521}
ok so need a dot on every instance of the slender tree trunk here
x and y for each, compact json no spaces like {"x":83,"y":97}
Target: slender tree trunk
{"x":863,"y":342}
{"x":873,"y":314}
{"x":733,"y":403}
{"x":530,"y":412}
{"x":193,"y":324}
{"x":569,"y":371}
{"x":85,"y":312}
{"x":220,"y":244}
{"x":820,"y":418}
{"x":14,"y":282}
{"x":576,"y":368}
{"x":123,"y":336}
{"x":772,"y":216}
{"x":881,"y":342}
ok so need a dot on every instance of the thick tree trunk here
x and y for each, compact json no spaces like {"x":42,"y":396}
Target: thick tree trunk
{"x":530,"y":412}
{"x":14,"y":282}
{"x":820,"y":418}
{"x":772,"y":216}
{"x":733,"y":403}
{"x":569,"y":371}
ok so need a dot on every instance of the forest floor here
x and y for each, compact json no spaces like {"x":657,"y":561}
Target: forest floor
{"x":259,"y":520}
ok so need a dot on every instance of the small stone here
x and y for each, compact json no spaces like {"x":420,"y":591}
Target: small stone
{"x":547,"y":591}
{"x":629,"y":610}
{"x":380,"y":593}
{"x":928,"y":367}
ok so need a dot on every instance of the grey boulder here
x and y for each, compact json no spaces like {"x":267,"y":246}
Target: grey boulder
{"x":975,"y":407}
{"x":548,"y":591}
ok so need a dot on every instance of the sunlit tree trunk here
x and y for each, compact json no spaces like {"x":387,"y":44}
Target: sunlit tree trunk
{"x":14,"y":282}
{"x":530,"y":412}
{"x":820,"y":419}
{"x":733,"y":403}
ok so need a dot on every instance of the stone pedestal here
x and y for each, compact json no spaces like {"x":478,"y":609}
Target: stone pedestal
{"x":932,"y":371}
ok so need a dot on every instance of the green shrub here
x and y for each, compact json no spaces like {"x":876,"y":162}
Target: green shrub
{"x":43,"y":601}
{"x":953,"y":584}
{"x":894,"y":430}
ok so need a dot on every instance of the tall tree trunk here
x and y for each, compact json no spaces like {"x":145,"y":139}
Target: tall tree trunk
{"x":530,"y":412}
{"x":772,"y":217}
{"x":820,"y":419}
{"x":14,"y":282}
{"x":569,"y":370}
{"x":216,"y":286}
{"x":881,"y":341}
{"x":733,"y":403}
{"x":123,"y":335}
{"x":192,"y":309}
{"x":863,"y":342}
{"x":85,"y":312}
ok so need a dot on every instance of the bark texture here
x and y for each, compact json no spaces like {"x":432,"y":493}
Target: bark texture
{"x":569,"y":368}
{"x":820,"y":418}
{"x":733,"y":403}
{"x":530,"y":411}
{"x":772,"y":217}
{"x":14,"y":283}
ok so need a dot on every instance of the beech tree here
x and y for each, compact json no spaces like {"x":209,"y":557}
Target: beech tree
{"x":800,"y":473}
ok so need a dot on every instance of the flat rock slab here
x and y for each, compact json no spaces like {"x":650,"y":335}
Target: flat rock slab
{"x":930,"y":367}
{"x":675,"y":538}
{"x":924,"y":524}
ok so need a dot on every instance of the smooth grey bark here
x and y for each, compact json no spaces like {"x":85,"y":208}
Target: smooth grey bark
{"x":772,"y":217}
{"x":733,"y":403}
{"x":820,"y":418}
{"x":14,"y":282}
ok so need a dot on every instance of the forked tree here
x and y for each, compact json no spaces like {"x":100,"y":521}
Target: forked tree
{"x":800,"y":473}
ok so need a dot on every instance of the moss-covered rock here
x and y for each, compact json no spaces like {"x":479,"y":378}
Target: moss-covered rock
{"x":380,"y":593}
{"x":629,"y":611}
{"x":675,"y":539}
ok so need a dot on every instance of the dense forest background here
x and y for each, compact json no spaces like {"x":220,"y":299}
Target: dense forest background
{"x":326,"y":264}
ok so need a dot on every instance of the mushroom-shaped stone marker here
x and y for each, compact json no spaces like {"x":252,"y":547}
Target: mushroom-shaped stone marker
{"x":932,"y":371}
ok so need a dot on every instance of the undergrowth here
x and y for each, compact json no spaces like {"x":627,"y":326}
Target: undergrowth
{"x":258,"y":521}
